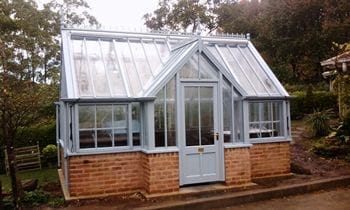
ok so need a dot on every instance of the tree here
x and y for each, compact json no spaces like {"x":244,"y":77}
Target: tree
{"x":182,"y":15}
{"x":28,"y":48}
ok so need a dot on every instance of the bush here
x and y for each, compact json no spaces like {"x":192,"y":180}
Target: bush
{"x":305,"y":102}
{"x":49,"y":155}
{"x":319,"y":122}
{"x":35,"y":197}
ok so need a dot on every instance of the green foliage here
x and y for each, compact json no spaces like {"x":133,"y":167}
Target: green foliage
{"x":49,"y":155}
{"x":50,"y":150}
{"x":35,"y":197}
{"x":319,"y":121}
{"x":56,"y":202}
{"x":303,"y":103}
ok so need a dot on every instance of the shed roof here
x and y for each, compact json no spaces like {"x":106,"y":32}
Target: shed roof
{"x":107,"y":64}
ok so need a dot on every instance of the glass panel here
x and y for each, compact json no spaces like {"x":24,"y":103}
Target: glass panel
{"x":112,"y":69}
{"x":136,"y":126}
{"x":120,"y":123}
{"x":104,"y":138}
{"x":227,"y":109}
{"x":190,"y":69}
{"x":191,"y":116}
{"x":86,"y":139}
{"x":259,"y":70}
{"x":236,"y":70}
{"x":86,"y":117}
{"x":266,"y":111}
{"x":159,"y":119}
{"x":206,"y":69}
{"x":97,"y":69}
{"x":104,"y":116}
{"x":207,"y":115}
{"x":213,"y":50}
{"x":255,"y":81}
{"x":170,"y":115}
{"x":162,"y":49}
{"x":86,"y":126}
{"x":238,"y":121}
{"x":140,"y":61}
{"x":152,"y":55}
{"x":253,"y":112}
{"x":129,"y":67}
{"x":81,"y":68}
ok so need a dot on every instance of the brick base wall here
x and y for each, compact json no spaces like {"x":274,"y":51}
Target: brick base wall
{"x":237,"y":166}
{"x":270,"y":159}
{"x":161,"y":172}
{"x":116,"y":173}
{"x":105,"y":174}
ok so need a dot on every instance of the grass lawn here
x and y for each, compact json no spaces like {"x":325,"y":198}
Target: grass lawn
{"x":44,"y":175}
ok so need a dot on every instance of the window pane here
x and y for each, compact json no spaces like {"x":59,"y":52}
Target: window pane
{"x":81,"y":68}
{"x":86,"y":117}
{"x":227,"y":109}
{"x":207,"y":115}
{"x":191,"y":116}
{"x":97,"y":69}
{"x":141,"y":62}
{"x":128,"y":66}
{"x":104,"y":138}
{"x":253,"y":112}
{"x":206,"y":69}
{"x":86,"y":139}
{"x":152,"y":55}
{"x":238,"y":121}
{"x":170,"y":108}
{"x":190,"y":69}
{"x":112,"y":69}
{"x":159,"y":119}
{"x":104,"y":116}
{"x":120,"y":124}
{"x":136,"y":127}
{"x":162,"y":49}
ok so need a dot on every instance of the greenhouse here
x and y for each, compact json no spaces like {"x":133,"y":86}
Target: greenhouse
{"x":155,"y":112}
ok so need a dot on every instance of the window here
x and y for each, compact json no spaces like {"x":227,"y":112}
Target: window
{"x":231,"y":122}
{"x":102,"y":126}
{"x":164,"y":116}
{"x":265,"y":119}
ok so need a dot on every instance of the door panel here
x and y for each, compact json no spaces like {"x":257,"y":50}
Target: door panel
{"x":199,"y":149}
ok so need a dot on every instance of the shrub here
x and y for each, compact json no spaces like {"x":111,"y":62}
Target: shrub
{"x":319,"y":121}
{"x":49,"y":155}
{"x":305,"y":102}
{"x":35,"y":197}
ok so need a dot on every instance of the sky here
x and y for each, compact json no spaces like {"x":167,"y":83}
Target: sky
{"x":120,"y":14}
{"x":125,"y":14}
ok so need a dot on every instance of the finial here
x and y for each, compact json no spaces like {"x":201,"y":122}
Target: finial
{"x":248,"y":36}
{"x":198,"y":28}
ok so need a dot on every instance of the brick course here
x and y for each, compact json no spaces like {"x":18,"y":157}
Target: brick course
{"x":237,"y":166}
{"x":270,"y":159}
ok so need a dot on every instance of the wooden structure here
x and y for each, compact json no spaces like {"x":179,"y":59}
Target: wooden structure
{"x":27,"y":158}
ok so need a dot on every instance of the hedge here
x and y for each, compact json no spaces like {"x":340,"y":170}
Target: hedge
{"x":306,"y":102}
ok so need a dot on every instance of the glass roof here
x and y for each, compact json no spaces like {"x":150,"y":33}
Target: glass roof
{"x":99,"y":64}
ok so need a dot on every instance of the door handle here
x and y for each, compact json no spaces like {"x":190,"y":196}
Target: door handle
{"x":216,"y":136}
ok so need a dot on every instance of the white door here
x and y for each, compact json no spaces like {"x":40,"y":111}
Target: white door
{"x":199,"y":149}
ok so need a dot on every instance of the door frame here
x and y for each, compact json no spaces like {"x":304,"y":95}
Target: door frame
{"x":181,"y":127}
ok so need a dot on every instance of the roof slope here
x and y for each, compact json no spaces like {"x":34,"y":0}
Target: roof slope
{"x":101,"y":64}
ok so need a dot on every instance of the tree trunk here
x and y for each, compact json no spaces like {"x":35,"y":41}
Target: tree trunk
{"x":16,"y":186}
